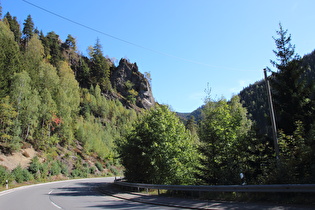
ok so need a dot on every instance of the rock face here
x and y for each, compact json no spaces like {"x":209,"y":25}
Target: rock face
{"x":132,"y":84}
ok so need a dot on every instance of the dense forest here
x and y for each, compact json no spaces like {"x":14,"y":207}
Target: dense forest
{"x":59,"y":102}
{"x":85,"y":116}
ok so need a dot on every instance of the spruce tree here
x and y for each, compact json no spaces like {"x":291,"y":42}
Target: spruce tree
{"x":14,"y":26}
{"x":100,"y":68}
{"x":291,"y":91}
{"x":28,"y":29}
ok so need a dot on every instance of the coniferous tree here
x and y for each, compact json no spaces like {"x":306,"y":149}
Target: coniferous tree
{"x":28,"y":29}
{"x":33,"y":56}
{"x":100,"y":68}
{"x":291,"y":92}
{"x":52,"y":46}
{"x":10,"y":59}
{"x":14,"y":26}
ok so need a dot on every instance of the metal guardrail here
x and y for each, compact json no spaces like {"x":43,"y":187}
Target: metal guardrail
{"x":224,"y":188}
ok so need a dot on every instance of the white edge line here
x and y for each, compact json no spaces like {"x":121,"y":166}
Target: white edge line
{"x":55,"y":205}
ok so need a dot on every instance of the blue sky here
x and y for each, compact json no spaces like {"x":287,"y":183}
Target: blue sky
{"x":183,"y":44}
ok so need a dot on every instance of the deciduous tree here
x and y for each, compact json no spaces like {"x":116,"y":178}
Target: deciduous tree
{"x":159,"y":150}
{"x":223,"y":127}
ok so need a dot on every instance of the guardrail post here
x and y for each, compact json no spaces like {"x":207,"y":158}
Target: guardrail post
{"x":147,"y":189}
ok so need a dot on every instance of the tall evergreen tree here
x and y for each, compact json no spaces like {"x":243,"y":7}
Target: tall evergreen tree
{"x":28,"y":29}
{"x":33,"y":56}
{"x":52,"y":43}
{"x":14,"y":26}
{"x":291,"y":92}
{"x":100,"y":67}
{"x":10,"y":59}
{"x":285,"y":52}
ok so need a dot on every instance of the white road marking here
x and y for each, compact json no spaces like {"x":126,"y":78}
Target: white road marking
{"x":55,"y":205}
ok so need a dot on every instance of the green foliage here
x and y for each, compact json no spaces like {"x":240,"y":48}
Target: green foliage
{"x":80,"y":170}
{"x":99,"y":166}
{"x":7,"y":116}
{"x":222,"y":130}
{"x":295,"y":157}
{"x":28,"y":29}
{"x":100,"y":67}
{"x":21,"y":175}
{"x":10,"y":62}
{"x":55,"y":168}
{"x":52,"y":48}
{"x":26,"y":102}
{"x":158,"y":149}
{"x":14,"y":26}
{"x":132,"y":94}
{"x":285,"y":50}
{"x":4,"y":175}
{"x":35,"y":165}
{"x":104,"y":122}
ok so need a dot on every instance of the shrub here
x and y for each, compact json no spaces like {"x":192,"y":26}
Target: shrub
{"x":34,"y":165}
{"x":4,"y":175}
{"x":99,"y":166}
{"x":64,"y":169}
{"x":75,"y":173}
{"x":114,"y":171}
{"x":44,"y":170}
{"x":21,"y":175}
{"x":55,"y":168}
{"x":92,"y":170}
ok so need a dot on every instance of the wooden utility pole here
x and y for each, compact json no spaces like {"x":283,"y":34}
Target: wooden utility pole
{"x":272,"y":116}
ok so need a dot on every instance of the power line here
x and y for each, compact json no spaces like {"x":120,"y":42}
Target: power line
{"x":128,"y":42}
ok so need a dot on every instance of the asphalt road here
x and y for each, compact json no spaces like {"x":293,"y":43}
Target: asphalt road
{"x":89,"y":194}
{"x":67,"y":195}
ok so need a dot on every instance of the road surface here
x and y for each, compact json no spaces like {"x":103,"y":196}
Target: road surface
{"x":88,"y":194}
{"x":67,"y":195}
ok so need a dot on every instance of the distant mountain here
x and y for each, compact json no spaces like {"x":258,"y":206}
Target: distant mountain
{"x":196,"y":114}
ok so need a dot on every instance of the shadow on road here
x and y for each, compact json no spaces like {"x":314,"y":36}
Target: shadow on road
{"x":101,"y":189}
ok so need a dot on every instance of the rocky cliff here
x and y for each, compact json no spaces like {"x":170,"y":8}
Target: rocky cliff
{"x":132,"y":84}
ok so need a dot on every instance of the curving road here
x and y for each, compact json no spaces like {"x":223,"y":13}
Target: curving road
{"x":67,"y":195}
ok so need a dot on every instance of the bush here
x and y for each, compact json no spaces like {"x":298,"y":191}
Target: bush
{"x":92,"y":170}
{"x":21,"y":175}
{"x":4,"y":175}
{"x":55,"y":168}
{"x":44,"y":170}
{"x":34,"y":165}
{"x":114,"y":171}
{"x":80,"y":172}
{"x":64,"y":169}
{"x":99,"y":166}
{"x":75,"y":173}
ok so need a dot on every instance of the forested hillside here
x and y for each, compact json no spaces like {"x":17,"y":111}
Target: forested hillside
{"x":63,"y":104}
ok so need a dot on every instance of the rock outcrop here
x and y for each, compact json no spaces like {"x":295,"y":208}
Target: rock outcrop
{"x":132,"y":84}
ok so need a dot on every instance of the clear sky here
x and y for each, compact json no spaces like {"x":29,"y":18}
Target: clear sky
{"x":183,"y":44}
